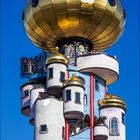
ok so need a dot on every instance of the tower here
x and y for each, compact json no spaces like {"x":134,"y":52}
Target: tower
{"x":66,"y":96}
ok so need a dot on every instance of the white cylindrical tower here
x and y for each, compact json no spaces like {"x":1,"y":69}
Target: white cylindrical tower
{"x":56,"y":70}
{"x":114,"y":108}
{"x":26,"y":93}
{"x":73,"y":94}
{"x":49,"y":119}
{"x":35,"y":94}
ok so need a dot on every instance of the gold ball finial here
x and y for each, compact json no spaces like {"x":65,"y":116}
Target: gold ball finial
{"x":74,"y":75}
{"x":57,"y":49}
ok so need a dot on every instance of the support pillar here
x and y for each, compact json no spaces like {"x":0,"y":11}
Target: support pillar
{"x":91,"y":105}
{"x":66,"y":129}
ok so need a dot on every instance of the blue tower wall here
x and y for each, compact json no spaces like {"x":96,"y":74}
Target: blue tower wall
{"x":100,"y":94}
{"x":86,"y":77}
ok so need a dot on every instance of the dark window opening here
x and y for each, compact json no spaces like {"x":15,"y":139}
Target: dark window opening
{"x":43,"y":129}
{"x":23,"y":15}
{"x":50,"y":73}
{"x":35,"y":3}
{"x":77,"y":98}
{"x":85,"y":99}
{"x":124,"y":14}
{"x":62,"y":76}
{"x":123,"y":119}
{"x":26,"y":93}
{"x":68,"y":95}
{"x":96,"y":85}
{"x":114,"y":127}
{"x":112,"y":2}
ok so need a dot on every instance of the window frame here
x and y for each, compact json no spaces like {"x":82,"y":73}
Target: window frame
{"x":123,"y":119}
{"x":62,"y":79}
{"x":96,"y":85}
{"x":85,"y":99}
{"x":24,"y":94}
{"x":79,"y":100}
{"x":111,"y":133}
{"x":66,"y":92}
{"x":43,"y":131}
{"x":112,"y":2}
{"x":50,"y":77}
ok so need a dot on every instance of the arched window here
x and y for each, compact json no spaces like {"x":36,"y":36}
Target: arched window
{"x":114,"y":127}
{"x":112,"y":2}
{"x":35,"y":3}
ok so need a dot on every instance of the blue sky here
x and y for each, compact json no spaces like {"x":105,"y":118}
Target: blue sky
{"x":15,"y":44}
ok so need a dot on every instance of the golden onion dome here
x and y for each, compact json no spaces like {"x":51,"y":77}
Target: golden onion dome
{"x":73,"y":81}
{"x":112,"y":101}
{"x":48,"y":21}
{"x":57,"y":58}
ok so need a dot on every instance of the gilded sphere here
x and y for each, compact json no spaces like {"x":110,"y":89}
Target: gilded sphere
{"x":73,"y":81}
{"x":48,"y":21}
{"x":57,"y":58}
{"x":112,"y":101}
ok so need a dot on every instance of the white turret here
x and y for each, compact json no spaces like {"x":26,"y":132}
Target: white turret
{"x":73,"y":94}
{"x":35,"y":94}
{"x":114,"y":109}
{"x":49,"y":119}
{"x":26,"y":94}
{"x":56,"y":70}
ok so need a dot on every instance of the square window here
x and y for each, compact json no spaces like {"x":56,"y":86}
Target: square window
{"x":43,"y":129}
{"x":50,"y":73}
{"x":62,"y":76}
{"x":68,"y":95}
{"x":96,"y":85}
{"x":77,"y":97}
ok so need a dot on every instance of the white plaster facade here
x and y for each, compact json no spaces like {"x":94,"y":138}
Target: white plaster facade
{"x":114,"y":112}
{"x":101,"y":130}
{"x":49,"y":112}
{"x":55,"y":83}
{"x":71,"y":106}
{"x":34,"y":96}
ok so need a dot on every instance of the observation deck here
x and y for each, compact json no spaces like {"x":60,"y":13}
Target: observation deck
{"x":104,"y":66}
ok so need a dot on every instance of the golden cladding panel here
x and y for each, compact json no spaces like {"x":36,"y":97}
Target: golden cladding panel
{"x":50,"y":20}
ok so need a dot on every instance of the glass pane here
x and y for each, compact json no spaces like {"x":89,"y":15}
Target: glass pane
{"x":26,"y":93}
{"x":77,"y":99}
{"x":114,"y":131}
{"x":85,"y":99}
{"x":68,"y":95}
{"x":50,"y":73}
{"x":62,"y":77}
{"x":96,"y":85}
{"x":123,"y":118}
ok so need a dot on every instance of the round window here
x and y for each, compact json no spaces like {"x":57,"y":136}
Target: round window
{"x":112,"y":2}
{"x":35,"y":3}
